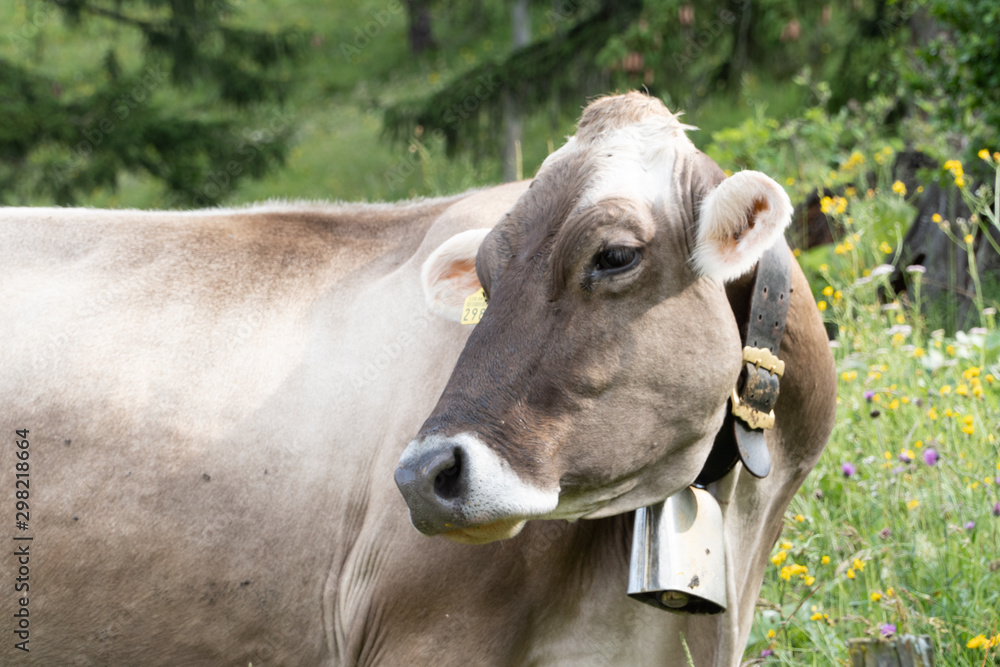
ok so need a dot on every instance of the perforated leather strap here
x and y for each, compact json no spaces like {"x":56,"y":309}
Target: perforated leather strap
{"x":742,"y":437}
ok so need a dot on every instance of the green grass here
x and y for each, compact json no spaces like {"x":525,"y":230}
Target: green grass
{"x":909,"y":538}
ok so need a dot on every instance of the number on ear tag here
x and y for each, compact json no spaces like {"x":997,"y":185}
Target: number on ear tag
{"x":475,"y":306}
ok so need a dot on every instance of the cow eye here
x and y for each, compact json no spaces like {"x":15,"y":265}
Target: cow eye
{"x":616,"y":259}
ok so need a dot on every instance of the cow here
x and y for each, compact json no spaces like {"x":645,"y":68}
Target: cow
{"x":207,"y":409}
{"x":601,"y":373}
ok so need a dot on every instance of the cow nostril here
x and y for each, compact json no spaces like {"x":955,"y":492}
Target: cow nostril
{"x":446,"y":482}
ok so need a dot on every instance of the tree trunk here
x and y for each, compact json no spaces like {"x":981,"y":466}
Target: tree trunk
{"x":521,"y":24}
{"x":420,"y":34}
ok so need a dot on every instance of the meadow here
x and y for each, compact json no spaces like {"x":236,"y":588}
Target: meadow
{"x":896,"y":530}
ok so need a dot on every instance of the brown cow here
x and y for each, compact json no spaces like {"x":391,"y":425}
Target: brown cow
{"x":599,"y":377}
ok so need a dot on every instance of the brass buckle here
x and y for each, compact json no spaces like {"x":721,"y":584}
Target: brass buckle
{"x":753,"y":417}
{"x":762,"y":358}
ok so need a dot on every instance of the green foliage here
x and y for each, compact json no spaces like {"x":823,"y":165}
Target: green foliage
{"x":179,"y":113}
{"x":961,"y":67}
{"x":467,"y":111}
{"x":899,"y":522}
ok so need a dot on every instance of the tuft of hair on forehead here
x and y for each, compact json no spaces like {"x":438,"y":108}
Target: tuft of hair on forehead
{"x":614,"y":112}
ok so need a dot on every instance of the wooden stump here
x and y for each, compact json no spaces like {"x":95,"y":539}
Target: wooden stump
{"x":902,"y":651}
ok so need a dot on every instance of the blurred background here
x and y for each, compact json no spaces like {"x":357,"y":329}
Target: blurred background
{"x":148,"y":102}
{"x":193,"y":103}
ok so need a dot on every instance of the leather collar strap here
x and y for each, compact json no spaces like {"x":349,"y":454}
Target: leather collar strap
{"x":752,"y":407}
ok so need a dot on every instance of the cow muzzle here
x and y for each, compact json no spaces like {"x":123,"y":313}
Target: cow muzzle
{"x":457,"y":486}
{"x":678,"y":554}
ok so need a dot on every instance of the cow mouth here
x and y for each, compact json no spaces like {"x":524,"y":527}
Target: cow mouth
{"x":504,"y":529}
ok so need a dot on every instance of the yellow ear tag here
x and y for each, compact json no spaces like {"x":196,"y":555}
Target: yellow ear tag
{"x":475,"y":306}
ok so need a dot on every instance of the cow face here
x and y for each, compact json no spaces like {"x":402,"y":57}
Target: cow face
{"x":598,"y":377}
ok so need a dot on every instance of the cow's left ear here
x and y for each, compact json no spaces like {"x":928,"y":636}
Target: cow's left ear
{"x":448,"y":276}
{"x":739,"y":220}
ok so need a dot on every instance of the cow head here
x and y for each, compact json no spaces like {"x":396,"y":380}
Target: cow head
{"x":598,"y":378}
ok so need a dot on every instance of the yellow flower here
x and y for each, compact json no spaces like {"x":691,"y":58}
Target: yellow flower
{"x":932,"y":414}
{"x":876,"y":596}
{"x":779,"y":558}
{"x":899,"y":188}
{"x":885,"y":248}
{"x":936,"y":217}
{"x":826,"y":205}
{"x":891,"y":592}
{"x":838,"y":295}
{"x":962,"y":390}
{"x":949,"y":349}
{"x":984,"y":154}
{"x":894,"y":404}
{"x":789,"y":181}
{"x":945,"y":389}
{"x":850,"y":192}
{"x":770,"y":634}
{"x":827,"y":291}
{"x":968,"y":239}
{"x":819,"y":617}
{"x":954,"y":166}
{"x":821,"y":305}
{"x":859,"y":565}
{"x":968,"y":429}
{"x":979,"y":641}
{"x":850,"y":573}
{"x":824,"y":268}
{"x":960,"y":181}
{"x":912,"y":504}
{"x":786,"y":545}
{"x":826,"y":559}
{"x":809,"y":580}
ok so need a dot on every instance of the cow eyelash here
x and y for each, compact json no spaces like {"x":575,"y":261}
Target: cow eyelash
{"x":616,"y":259}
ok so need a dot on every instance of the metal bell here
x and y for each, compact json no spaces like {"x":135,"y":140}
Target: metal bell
{"x":678,"y":556}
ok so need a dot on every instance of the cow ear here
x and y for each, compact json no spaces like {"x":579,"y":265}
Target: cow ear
{"x":739,"y":220}
{"x":448,"y":276}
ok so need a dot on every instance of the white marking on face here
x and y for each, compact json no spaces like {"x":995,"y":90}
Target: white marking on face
{"x":494,"y":490}
{"x":634,"y":162}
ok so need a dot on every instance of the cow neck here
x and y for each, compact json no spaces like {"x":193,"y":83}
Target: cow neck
{"x":760,"y":306}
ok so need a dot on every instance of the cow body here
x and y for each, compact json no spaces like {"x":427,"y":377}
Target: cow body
{"x":216,"y":402}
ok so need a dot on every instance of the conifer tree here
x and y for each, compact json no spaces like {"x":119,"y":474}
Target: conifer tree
{"x":196,"y":106}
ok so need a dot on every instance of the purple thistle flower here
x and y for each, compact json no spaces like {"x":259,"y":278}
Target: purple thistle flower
{"x":885,"y":533}
{"x":868,"y":395}
{"x":904,"y":457}
{"x":996,"y":509}
{"x":931,"y":456}
{"x":766,"y":653}
{"x":887,"y":629}
{"x":969,"y":525}
{"x":848,"y":468}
